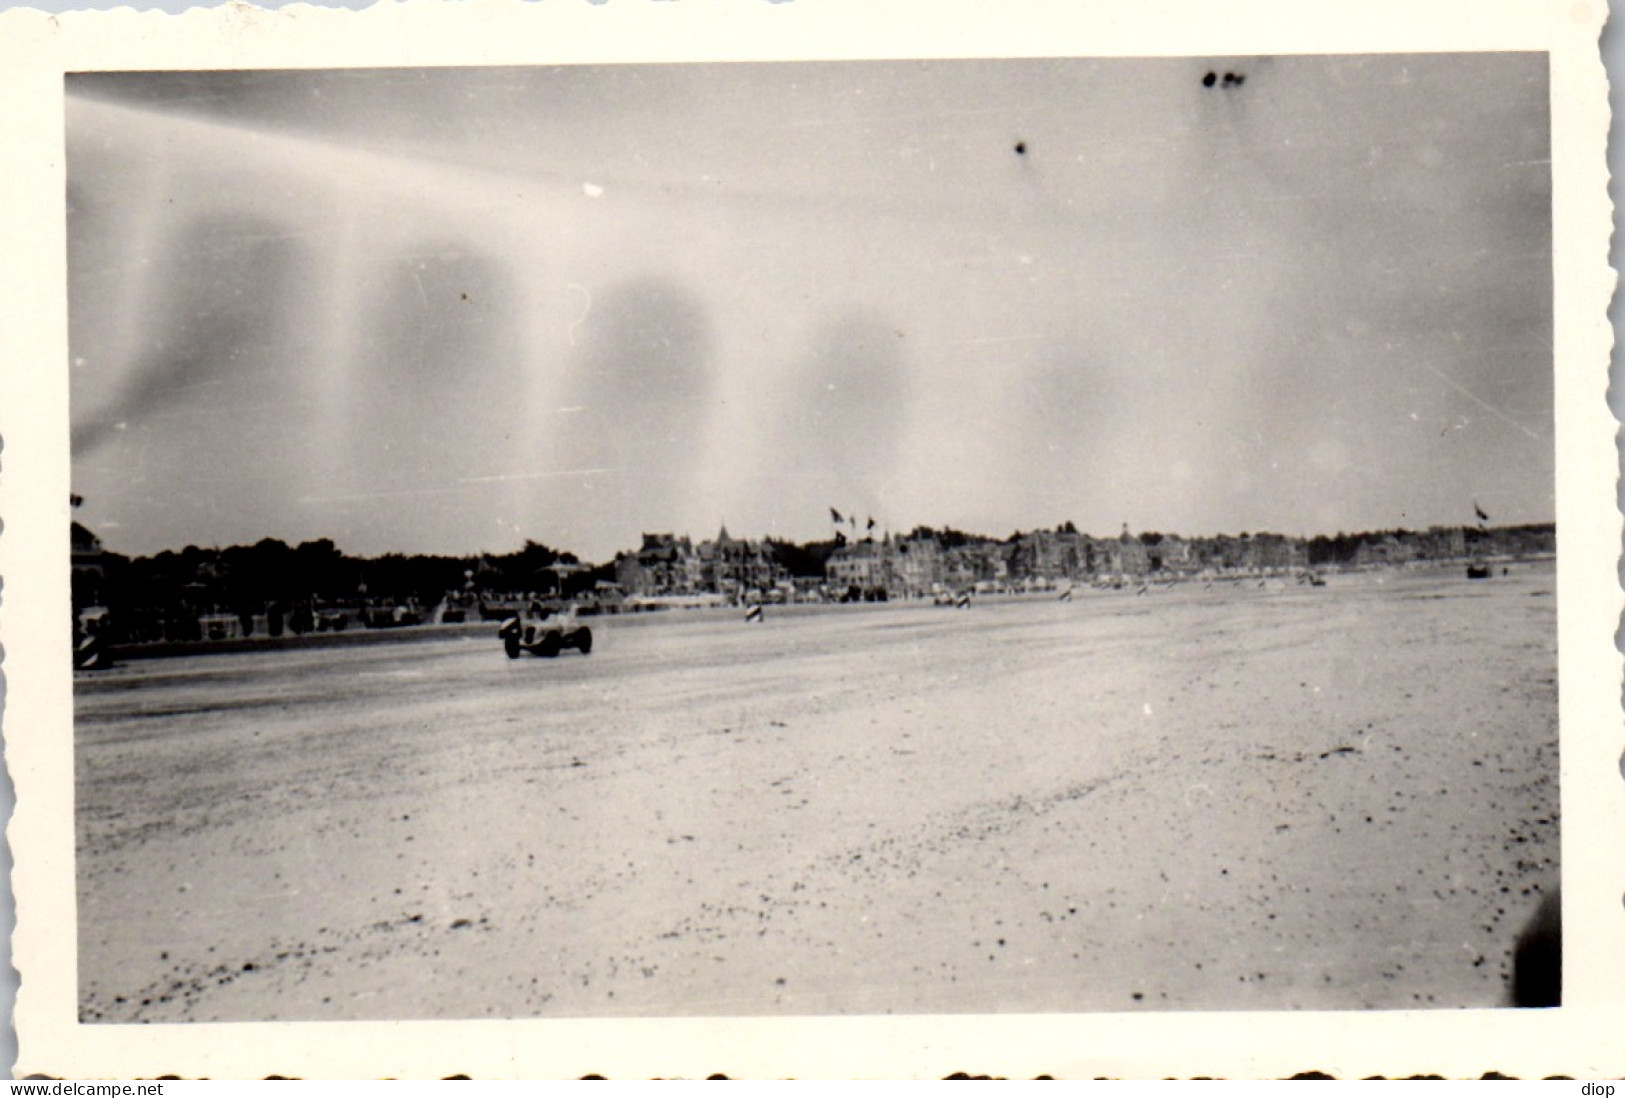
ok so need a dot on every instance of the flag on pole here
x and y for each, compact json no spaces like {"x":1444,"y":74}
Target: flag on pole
{"x":1479,"y":511}
{"x":871,"y":524}
{"x":835,"y":516}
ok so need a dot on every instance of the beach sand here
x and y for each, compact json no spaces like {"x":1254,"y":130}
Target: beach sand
{"x":1243,"y":798}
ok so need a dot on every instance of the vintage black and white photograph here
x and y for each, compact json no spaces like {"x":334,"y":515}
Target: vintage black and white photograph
{"x":920,"y":537}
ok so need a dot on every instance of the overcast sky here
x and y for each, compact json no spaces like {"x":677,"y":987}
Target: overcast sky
{"x":449,"y":310}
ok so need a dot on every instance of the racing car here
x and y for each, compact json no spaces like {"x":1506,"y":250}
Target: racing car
{"x":546,"y":638}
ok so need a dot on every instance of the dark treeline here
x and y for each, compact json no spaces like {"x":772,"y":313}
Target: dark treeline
{"x":164,"y":594}
{"x":272,"y":570}
{"x":803,"y":559}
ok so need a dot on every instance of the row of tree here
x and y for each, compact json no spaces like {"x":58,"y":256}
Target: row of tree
{"x":272,"y":572}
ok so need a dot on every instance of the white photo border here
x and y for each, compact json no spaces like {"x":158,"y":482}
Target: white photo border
{"x":1580,"y":1039}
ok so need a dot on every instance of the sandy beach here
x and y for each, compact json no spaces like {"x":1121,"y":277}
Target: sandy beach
{"x":1238,"y":798}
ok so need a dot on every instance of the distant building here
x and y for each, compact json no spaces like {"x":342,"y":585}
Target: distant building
{"x":975,"y":562}
{"x":668,"y":564}
{"x":663,"y":565}
{"x":735,"y":567}
{"x":865,"y":565}
{"x":928,"y":562}
{"x":916,"y":567}
{"x":1052,"y":556}
{"x":1278,"y":553}
{"x":1127,"y":556}
{"x":1444,"y":543}
{"x":1385,"y":551}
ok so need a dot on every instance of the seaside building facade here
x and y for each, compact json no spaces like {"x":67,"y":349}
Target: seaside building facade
{"x":927,"y":563}
{"x":668,"y":564}
{"x":916,"y":567}
{"x":866,"y":566}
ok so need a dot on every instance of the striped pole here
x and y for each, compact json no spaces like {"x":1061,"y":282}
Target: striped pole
{"x":754,"y":613}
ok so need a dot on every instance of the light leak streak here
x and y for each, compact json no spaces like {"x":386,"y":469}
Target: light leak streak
{"x":334,"y":307}
{"x":1470,"y":395}
{"x":586,"y":310}
{"x":445,"y":489}
{"x":502,"y":477}
{"x":976,"y":341}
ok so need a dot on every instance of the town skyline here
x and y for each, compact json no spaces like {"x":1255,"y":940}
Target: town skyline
{"x":440,"y":311}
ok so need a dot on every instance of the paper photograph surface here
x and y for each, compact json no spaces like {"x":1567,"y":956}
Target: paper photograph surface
{"x":858,"y":545}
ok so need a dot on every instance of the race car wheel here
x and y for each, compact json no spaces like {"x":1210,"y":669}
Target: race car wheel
{"x":584,"y":640}
{"x":550,"y":645}
{"x":511,"y":646}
